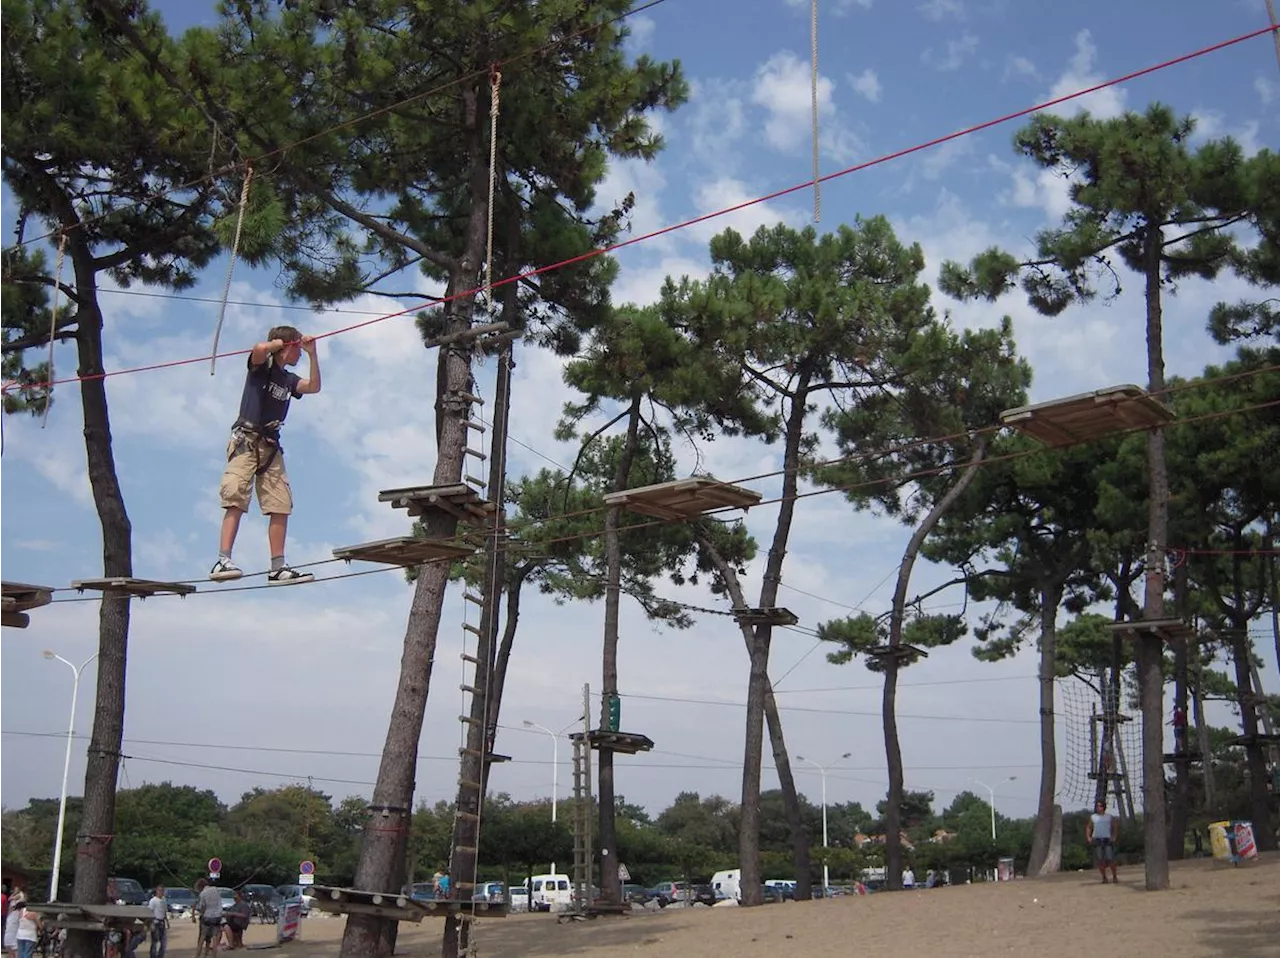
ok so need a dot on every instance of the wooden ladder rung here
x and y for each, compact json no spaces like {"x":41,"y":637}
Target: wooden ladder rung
{"x":477,"y":426}
{"x":472,"y":597}
{"x":472,"y":480}
{"x":469,"y":688}
{"x":468,"y":657}
{"x":467,"y":783}
{"x":476,"y":453}
{"x":468,"y":720}
{"x":473,"y":629}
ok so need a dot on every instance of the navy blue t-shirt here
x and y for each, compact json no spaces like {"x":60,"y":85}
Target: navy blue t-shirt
{"x":267,"y":391}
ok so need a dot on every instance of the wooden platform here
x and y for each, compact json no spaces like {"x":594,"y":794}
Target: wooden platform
{"x":21,"y":597}
{"x":902,"y":652}
{"x":352,"y":901}
{"x":683,"y":498}
{"x":1173,"y":758}
{"x":1244,"y":741}
{"x":1090,"y":415}
{"x":1166,"y":630}
{"x":627,"y":743}
{"x":141,"y":588}
{"x":770,"y":616}
{"x":407,"y":551}
{"x":61,"y":914}
{"x":460,"y":501}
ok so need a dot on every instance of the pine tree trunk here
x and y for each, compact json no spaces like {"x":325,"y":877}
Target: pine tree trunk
{"x":385,"y":837}
{"x":800,"y":843}
{"x":610,"y":887}
{"x":1180,"y":807}
{"x":758,"y":680}
{"x":1042,"y":837}
{"x":92,"y":847}
{"x":1202,"y":736}
{"x":897,"y":785}
{"x":1150,"y":651}
{"x":897,"y":619}
{"x":510,"y":625}
{"x":1250,"y":699}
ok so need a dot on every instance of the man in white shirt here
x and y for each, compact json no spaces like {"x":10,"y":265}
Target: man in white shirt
{"x":209,"y":908}
{"x":159,"y":923}
{"x":1101,"y":831}
{"x":908,"y":878}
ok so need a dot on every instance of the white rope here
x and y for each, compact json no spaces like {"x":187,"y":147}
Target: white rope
{"x":813,"y":42}
{"x":231,"y":266}
{"x":53,"y":326}
{"x":495,"y":83}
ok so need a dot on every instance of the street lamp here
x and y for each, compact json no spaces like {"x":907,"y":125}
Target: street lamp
{"x":992,"y":792}
{"x":555,"y":761}
{"x":66,"y":768}
{"x":826,"y":874}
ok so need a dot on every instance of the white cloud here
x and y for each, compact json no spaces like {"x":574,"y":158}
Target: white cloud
{"x":726,"y":192}
{"x":783,"y":88}
{"x":642,"y":28}
{"x":1213,"y":125}
{"x":958,"y":50}
{"x":1021,"y":67}
{"x":716,"y":120}
{"x":942,"y":9}
{"x":866,"y":84}
{"x":1266,"y":90}
{"x":1080,"y":74}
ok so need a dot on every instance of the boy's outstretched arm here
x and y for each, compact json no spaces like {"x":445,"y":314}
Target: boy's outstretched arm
{"x":311,"y":384}
{"x":258,"y":355}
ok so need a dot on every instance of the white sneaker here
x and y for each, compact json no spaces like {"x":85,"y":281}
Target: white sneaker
{"x":224,"y":570}
{"x":287,"y":576}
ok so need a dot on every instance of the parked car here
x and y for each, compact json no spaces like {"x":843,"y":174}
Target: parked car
{"x":228,"y":897}
{"x":668,"y":891}
{"x":490,"y":891}
{"x":519,"y":898}
{"x":181,"y":901}
{"x":129,"y":891}
{"x":703,"y":894}
{"x":422,"y":891}
{"x":289,"y":892}
{"x":637,"y":894}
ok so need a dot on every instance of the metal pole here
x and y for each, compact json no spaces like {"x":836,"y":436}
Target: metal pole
{"x":826,"y":876}
{"x":66,"y":770}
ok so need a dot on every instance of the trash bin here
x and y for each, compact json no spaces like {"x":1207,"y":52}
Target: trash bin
{"x":1219,"y":842}
{"x":1233,"y":841}
{"x":1245,"y":846}
{"x":1004,"y":869}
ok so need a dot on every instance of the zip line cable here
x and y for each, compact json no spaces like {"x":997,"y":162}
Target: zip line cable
{"x":705,"y":217}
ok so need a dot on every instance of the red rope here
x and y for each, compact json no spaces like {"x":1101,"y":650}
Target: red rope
{"x":807,"y":184}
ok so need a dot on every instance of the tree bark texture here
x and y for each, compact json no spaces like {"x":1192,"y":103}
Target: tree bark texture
{"x":1180,"y":807}
{"x":1150,"y":651}
{"x":758,"y":680}
{"x":897,"y":619}
{"x":93,"y":841}
{"x":1042,"y":837}
{"x":610,"y":887}
{"x":1202,"y":736}
{"x":385,"y":837}
{"x":800,"y":842}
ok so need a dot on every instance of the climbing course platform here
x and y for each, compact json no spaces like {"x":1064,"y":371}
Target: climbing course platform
{"x":407,"y":551}
{"x":138,"y":588}
{"x":1090,"y":415}
{"x":683,"y":498}
{"x":1166,"y":630}
{"x":18,"y":599}
{"x":458,"y":500}
{"x":904,"y":653}
{"x":770,"y":616}
{"x":353,"y":901}
{"x":626,"y":743}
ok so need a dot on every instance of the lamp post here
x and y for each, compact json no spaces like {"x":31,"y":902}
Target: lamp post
{"x":992,"y":792}
{"x":826,"y":874}
{"x":66,"y":768}
{"x":555,"y":761}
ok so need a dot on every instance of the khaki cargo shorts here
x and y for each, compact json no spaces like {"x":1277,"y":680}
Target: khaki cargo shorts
{"x":246,"y":454}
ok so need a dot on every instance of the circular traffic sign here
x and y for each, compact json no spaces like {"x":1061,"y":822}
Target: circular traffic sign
{"x":307,"y":868}
{"x":215,"y":864}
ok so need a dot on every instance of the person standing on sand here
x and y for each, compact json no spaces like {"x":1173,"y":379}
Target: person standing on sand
{"x":1101,"y":831}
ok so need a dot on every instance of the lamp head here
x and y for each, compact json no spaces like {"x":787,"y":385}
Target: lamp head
{"x":801,"y":758}
{"x":846,"y":755}
{"x":48,"y":654}
{"x":528,"y":724}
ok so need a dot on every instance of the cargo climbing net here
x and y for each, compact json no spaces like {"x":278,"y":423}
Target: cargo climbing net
{"x":1103,"y":742}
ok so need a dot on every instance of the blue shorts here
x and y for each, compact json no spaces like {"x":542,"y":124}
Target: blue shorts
{"x":1103,"y":850}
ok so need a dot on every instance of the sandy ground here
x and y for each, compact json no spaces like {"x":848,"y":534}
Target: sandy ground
{"x":1212,"y":911}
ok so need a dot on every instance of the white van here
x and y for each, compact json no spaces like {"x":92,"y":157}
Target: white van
{"x":546,"y":892}
{"x":728,"y":884}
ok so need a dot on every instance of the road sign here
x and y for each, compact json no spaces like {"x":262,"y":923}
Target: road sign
{"x":623,"y":874}
{"x":307,"y":868}
{"x":306,"y":879}
{"x":215,"y":867}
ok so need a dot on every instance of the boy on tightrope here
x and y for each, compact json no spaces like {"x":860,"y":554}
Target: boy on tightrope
{"x":254,"y":455}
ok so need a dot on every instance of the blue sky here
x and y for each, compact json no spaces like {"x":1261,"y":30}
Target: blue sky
{"x":216,"y":680}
